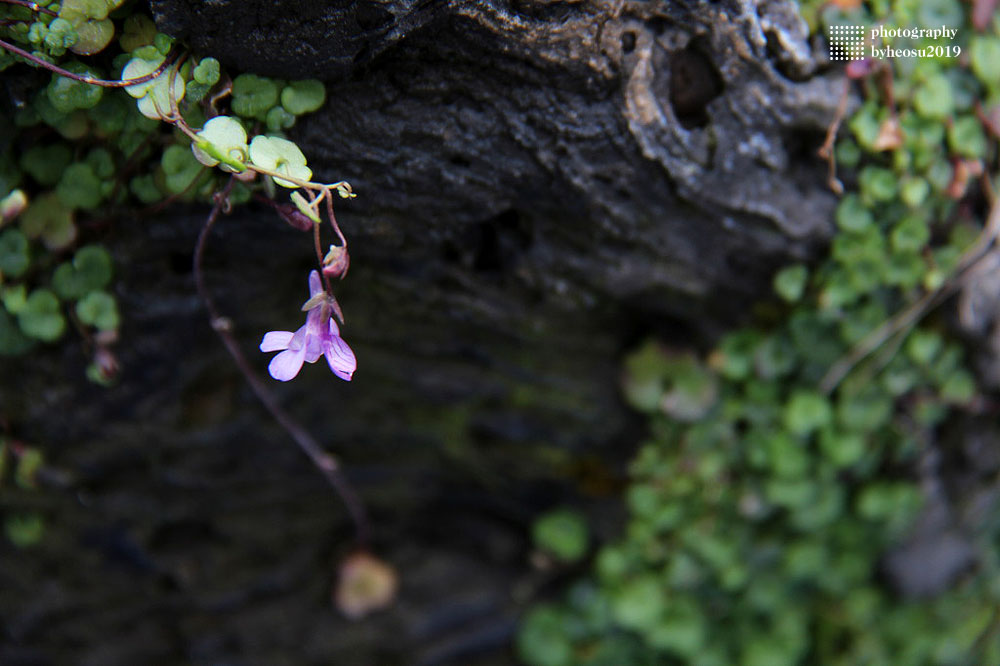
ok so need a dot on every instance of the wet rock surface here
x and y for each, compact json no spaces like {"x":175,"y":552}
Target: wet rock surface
{"x":541,"y":184}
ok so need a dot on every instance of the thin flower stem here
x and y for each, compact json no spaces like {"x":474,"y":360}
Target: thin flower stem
{"x":325,"y":462}
{"x":104,"y":83}
{"x":319,"y":257}
{"x":30,"y":5}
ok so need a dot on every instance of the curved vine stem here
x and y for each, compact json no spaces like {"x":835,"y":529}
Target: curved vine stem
{"x":104,"y":83}
{"x":30,"y":5}
{"x":325,"y":462}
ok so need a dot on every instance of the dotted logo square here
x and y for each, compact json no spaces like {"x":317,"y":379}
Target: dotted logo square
{"x":847,"y":42}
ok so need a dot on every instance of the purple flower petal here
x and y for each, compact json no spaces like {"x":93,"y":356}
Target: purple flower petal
{"x":340,"y":357}
{"x":315,"y":285}
{"x":276,"y":341}
{"x":287,"y":364}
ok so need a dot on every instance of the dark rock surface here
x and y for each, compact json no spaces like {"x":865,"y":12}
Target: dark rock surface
{"x":541,"y":184}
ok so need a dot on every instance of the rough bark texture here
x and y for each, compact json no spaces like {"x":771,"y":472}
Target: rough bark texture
{"x":540,"y":184}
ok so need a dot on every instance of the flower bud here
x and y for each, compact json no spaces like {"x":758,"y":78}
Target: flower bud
{"x":336,"y":262}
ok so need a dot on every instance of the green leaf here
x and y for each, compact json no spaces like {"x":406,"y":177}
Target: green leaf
{"x":207,"y":72}
{"x":922,"y":346}
{"x":12,"y":341}
{"x":46,"y":163}
{"x":843,"y":449}
{"x":543,"y":640}
{"x":14,"y":297}
{"x":14,"y":257}
{"x":253,"y":95}
{"x":41,"y":317}
{"x":24,"y":529}
{"x":303,"y":206}
{"x":222,"y":140}
{"x":101,"y":163}
{"x":93,"y":36}
{"x":984,"y":55}
{"x":806,"y":411}
{"x":137,"y":31}
{"x":966,"y":137}
{"x":934,"y":98}
{"x":90,"y":270}
{"x":959,"y":387}
{"x":639,"y":603}
{"x":79,"y":187}
{"x":910,"y":234}
{"x":279,"y":155}
{"x":278,"y":119}
{"x":877,"y":184}
{"x":562,"y":533}
{"x":790,"y":282}
{"x":301,"y":97}
{"x":98,"y":309}
{"x":914,"y":191}
{"x":49,"y":219}
{"x":180,"y":167}
{"x":67,"y":95}
{"x":852,"y":215}
{"x":145,"y":189}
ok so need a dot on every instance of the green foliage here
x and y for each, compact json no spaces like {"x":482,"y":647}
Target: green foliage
{"x":89,"y":271}
{"x":562,"y":534}
{"x":41,"y":317}
{"x":14,"y":258}
{"x":98,"y":309}
{"x":757,"y":526}
{"x":301,"y":97}
{"x":24,"y":529}
{"x":253,"y":96}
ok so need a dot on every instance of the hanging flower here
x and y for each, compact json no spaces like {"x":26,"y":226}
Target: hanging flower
{"x":320,"y":336}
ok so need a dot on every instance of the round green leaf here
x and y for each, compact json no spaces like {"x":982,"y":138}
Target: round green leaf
{"x":90,"y":270}
{"x":852,"y":215}
{"x":301,"y":97}
{"x":14,"y":257}
{"x":79,"y":187}
{"x":222,"y":140}
{"x":280,"y":155}
{"x":966,"y":137}
{"x":67,"y":95}
{"x":49,"y":219}
{"x":562,"y":533}
{"x":253,"y":95}
{"x":790,"y":282}
{"x":180,"y":167}
{"x":984,"y":55}
{"x":98,"y":309}
{"x":41,"y":318}
{"x":806,"y":411}
{"x":207,"y":72}
{"x":24,"y":529}
{"x":934,"y":98}
{"x":93,"y":36}
{"x":543,"y":640}
{"x":278,"y":119}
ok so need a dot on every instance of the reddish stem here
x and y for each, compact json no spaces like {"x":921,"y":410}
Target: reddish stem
{"x":30,"y":5}
{"x":104,"y":83}
{"x":326,"y":463}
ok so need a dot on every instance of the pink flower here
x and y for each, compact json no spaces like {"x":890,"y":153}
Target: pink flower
{"x":320,"y":336}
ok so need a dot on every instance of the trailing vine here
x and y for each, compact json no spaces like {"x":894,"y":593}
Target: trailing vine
{"x":140,"y":121}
